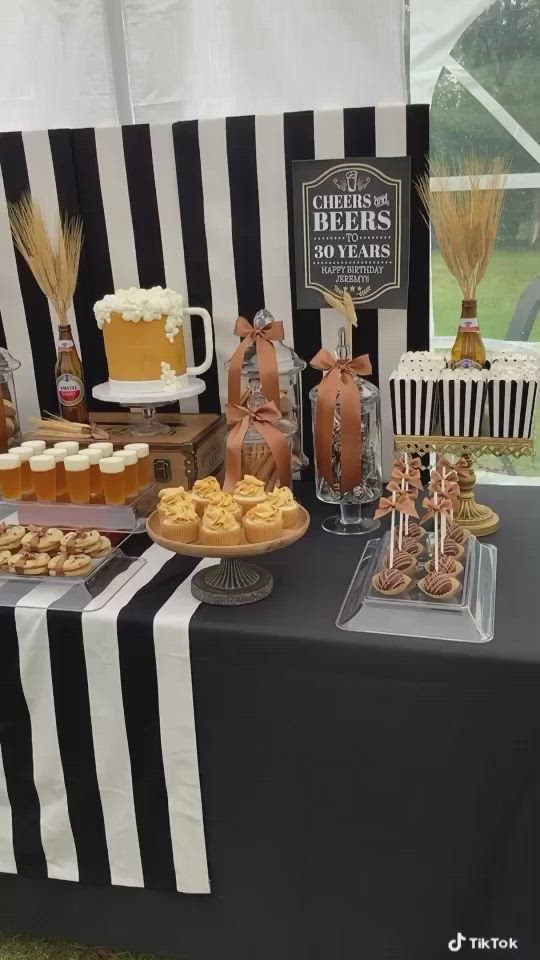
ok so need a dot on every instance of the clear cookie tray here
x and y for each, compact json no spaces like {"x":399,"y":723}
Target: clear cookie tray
{"x":117,"y":539}
{"x":468,"y":616}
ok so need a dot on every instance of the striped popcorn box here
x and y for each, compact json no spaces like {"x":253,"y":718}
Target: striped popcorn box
{"x":511,"y":403}
{"x":462,"y":395}
{"x":413,"y":399}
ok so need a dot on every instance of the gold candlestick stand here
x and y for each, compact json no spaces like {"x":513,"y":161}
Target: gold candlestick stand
{"x":476,"y":517}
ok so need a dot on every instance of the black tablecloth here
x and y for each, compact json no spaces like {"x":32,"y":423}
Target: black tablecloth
{"x":364,"y":796}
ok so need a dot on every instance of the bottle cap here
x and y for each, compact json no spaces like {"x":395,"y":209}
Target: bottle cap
{"x":112,"y":465}
{"x":128,"y":456}
{"x":143,"y":449}
{"x":8,"y":461}
{"x":41,"y":462}
{"x":72,"y":446}
{"x":76,"y":463}
{"x":37,"y":446}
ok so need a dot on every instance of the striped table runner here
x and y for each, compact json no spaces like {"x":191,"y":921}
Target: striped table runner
{"x":99,"y":777}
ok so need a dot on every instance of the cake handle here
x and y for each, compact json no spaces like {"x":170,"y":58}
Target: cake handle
{"x":208,"y":340}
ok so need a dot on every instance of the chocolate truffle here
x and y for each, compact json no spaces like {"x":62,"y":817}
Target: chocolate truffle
{"x":451,"y":548}
{"x":456,"y":533}
{"x":437,"y":584}
{"x":448,"y":565}
{"x":402,"y":561}
{"x":390,"y":581}
{"x":411,"y":545}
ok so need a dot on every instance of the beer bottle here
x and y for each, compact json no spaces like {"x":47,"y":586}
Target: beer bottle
{"x":70,"y":378}
{"x":468,"y":349}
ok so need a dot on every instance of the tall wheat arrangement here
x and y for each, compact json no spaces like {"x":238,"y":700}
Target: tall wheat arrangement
{"x":466,"y":222}
{"x":54,"y":262}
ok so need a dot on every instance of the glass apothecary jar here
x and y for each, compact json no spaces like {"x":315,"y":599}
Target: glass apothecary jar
{"x":369,"y":487}
{"x":290,"y":367}
{"x":9,"y":415}
{"x":257,"y":458}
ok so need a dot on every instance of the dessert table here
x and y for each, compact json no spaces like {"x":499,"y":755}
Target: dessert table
{"x":366,"y":796}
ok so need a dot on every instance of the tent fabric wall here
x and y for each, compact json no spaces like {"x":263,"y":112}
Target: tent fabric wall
{"x":205,"y":207}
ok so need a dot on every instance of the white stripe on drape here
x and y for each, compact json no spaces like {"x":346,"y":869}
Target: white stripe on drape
{"x":179,"y":744}
{"x":273,"y":220}
{"x":36,"y":678}
{"x":390,"y":141}
{"x":14,"y":318}
{"x":172,"y":239}
{"x":42,"y":181}
{"x":329,"y":145}
{"x":111,"y":750}
{"x":116,"y":206}
{"x":217,"y":222}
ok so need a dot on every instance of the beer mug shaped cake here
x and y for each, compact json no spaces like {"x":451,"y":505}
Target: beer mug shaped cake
{"x":144,"y":339}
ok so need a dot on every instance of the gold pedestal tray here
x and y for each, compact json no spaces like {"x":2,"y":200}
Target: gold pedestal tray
{"x":476,"y":517}
{"x":233,"y":581}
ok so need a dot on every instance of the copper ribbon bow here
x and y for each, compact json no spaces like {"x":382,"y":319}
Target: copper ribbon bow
{"x":443,"y":506}
{"x":339,"y":382}
{"x":403,"y":503}
{"x":412,"y":477}
{"x":266,"y":355}
{"x":393,"y":485}
{"x":414,"y":463}
{"x":264,"y":419}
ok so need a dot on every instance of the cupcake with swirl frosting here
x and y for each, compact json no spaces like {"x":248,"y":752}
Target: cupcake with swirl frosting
{"x":249,"y":492}
{"x":263,"y":522}
{"x":282,"y":497}
{"x":181,"y":523}
{"x":201,"y":491}
{"x":220,"y":528}
{"x":225,"y":500}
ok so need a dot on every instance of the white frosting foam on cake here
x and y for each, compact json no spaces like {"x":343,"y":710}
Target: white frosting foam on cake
{"x":136,"y":304}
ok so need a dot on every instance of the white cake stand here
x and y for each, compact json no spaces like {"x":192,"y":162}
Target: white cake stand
{"x":150,"y":401}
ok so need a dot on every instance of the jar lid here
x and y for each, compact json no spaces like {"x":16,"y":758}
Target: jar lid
{"x":287,"y":360}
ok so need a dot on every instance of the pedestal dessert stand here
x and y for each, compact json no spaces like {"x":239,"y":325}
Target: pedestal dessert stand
{"x":476,"y":517}
{"x":149,"y":402}
{"x":235,"y":580}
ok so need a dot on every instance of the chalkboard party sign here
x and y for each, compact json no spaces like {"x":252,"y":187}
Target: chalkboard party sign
{"x":351,"y":224}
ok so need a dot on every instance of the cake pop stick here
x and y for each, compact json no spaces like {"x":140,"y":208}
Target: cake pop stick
{"x":401,"y":517}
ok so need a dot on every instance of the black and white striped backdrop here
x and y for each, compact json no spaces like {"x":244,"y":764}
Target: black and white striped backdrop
{"x":205,"y":208}
{"x":99,"y":776}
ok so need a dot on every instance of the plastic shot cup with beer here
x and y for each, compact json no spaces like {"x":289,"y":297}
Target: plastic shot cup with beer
{"x":10,"y":476}
{"x":95,"y":454}
{"x":113,"y":478}
{"x":59,"y":454}
{"x":131,"y":460}
{"x":27,"y":480}
{"x":72,"y":446}
{"x":78,"y":477}
{"x":43,"y":467}
{"x":105,"y":446}
{"x":36,"y":446}
{"x":143,"y":463}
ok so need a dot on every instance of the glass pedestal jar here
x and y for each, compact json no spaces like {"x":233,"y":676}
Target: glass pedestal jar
{"x":10,"y":433}
{"x":289,"y":367}
{"x":349,"y":520}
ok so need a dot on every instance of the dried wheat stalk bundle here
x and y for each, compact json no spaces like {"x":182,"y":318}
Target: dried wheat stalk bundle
{"x":344,"y":304}
{"x":466,"y":222}
{"x":54,"y":261}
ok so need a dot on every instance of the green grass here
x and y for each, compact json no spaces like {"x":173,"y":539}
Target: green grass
{"x":30,"y":948}
{"x":510,"y":271}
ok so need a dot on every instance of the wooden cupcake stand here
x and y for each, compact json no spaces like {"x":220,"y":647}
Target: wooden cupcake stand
{"x":235,"y":580}
{"x":476,"y":517}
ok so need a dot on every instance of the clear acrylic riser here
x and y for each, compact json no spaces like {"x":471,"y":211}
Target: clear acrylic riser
{"x":129,"y":517}
{"x":90,"y":592}
{"x":467,"y":617}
